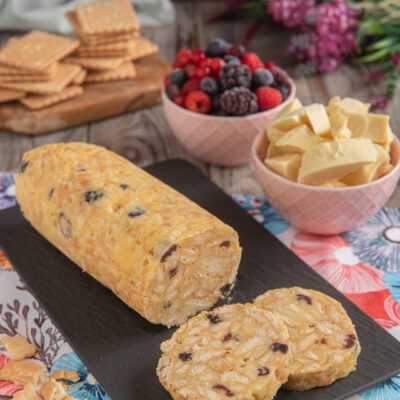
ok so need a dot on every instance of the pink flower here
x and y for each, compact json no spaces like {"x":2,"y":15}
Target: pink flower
{"x":375,"y":75}
{"x":290,"y":13}
{"x":379,"y":102}
{"x":396,"y":60}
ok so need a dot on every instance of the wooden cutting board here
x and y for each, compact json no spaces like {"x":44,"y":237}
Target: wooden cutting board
{"x":98,"y":101}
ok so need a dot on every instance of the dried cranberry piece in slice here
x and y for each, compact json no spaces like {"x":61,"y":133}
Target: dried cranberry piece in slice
{"x":263,"y":371}
{"x":225,"y":244}
{"x":23,"y":167}
{"x":305,"y":298}
{"x":224,"y":388}
{"x":93,"y":195}
{"x":227,"y":337}
{"x":172,"y":272}
{"x":350,"y":341}
{"x":65,"y":225}
{"x":51,"y":192}
{"x":186,"y":356}
{"x":136,"y":212}
{"x":214,"y":318}
{"x":282,"y":347}
{"x":171,"y":249}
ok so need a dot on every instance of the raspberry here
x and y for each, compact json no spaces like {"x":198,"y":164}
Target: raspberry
{"x":197,"y":56}
{"x":232,"y":75}
{"x":268,"y":97}
{"x":206,"y":62}
{"x":179,"y":99}
{"x":191,"y":85}
{"x":216,"y":65}
{"x":269,"y":65}
{"x":198,"y":102}
{"x":202,"y":72}
{"x":183,"y":58}
{"x":239,"y":101}
{"x":252,"y":61}
{"x":191,"y":71}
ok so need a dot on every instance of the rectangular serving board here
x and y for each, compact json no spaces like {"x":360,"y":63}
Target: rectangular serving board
{"x":122,"y":349}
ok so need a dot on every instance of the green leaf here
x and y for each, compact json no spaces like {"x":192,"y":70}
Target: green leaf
{"x":377,"y":55}
{"x":385,"y":42}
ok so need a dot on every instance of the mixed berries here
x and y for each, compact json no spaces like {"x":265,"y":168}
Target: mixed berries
{"x":225,"y":80}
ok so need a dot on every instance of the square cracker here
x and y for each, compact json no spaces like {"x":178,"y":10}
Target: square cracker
{"x":36,"y":102}
{"x":24,"y":78}
{"x":103,"y":53}
{"x":27,"y":393}
{"x":122,"y":45}
{"x":64,"y":75}
{"x":37,"y":50}
{"x":125,"y":71}
{"x":48,"y":73}
{"x":97,"y":63}
{"x":10,"y":95}
{"x":21,"y":372}
{"x":80,"y":78}
{"x":18,"y":346}
{"x":69,"y":376}
{"x":142,"y":47}
{"x":107,"y":16}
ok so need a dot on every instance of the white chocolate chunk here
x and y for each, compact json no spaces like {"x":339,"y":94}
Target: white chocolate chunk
{"x":335,"y":160}
{"x":273,"y":151}
{"x":318,"y":118}
{"x":274,"y":134}
{"x":357,"y":123}
{"x":287,"y":165}
{"x":291,"y":120}
{"x":294,"y":105}
{"x":349,"y":105}
{"x":298,"y":139}
{"x":373,"y":126}
{"x":339,"y":124}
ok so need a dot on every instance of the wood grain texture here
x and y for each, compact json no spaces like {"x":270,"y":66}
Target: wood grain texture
{"x":144,"y":136}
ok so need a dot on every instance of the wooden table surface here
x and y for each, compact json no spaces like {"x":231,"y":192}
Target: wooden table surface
{"x":144,"y":137}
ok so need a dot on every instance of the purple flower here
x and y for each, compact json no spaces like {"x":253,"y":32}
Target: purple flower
{"x":379,"y":102}
{"x":290,"y":13}
{"x":375,"y":75}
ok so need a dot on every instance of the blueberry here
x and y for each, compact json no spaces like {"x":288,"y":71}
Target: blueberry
{"x":209,"y":85}
{"x":178,"y":77}
{"x":262,"y":77}
{"x":172,"y":91}
{"x":231,"y":59}
{"x":217,"y":48}
{"x":284,"y":91}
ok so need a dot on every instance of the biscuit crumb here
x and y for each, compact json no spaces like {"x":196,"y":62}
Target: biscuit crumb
{"x":27,"y":393}
{"x":70,"y":376}
{"x":18,"y":347}
{"x":21,"y":372}
{"x":52,"y":390}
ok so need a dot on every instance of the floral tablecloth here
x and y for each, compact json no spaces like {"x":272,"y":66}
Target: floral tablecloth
{"x":363,"y":264}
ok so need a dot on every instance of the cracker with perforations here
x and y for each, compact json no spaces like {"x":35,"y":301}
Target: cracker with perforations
{"x":107,"y":16}
{"x":125,"y":71}
{"x":47,"y":73}
{"x":80,"y":78}
{"x":142,"y":47}
{"x":21,"y":372}
{"x":10,"y":95}
{"x":36,"y":102}
{"x":96,"y":63}
{"x":18,"y":346}
{"x":27,"y":393}
{"x":37,"y":50}
{"x":64,"y":75}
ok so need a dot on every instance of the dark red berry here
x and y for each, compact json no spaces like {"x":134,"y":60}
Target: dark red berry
{"x":185,"y":356}
{"x":172,"y":272}
{"x":179,"y":99}
{"x":269,"y":65}
{"x":350,"y":341}
{"x":216,"y":65}
{"x":263,"y":371}
{"x":268,"y":97}
{"x":227,"y":337}
{"x":214,"y":318}
{"x":282,"y":347}
{"x":171,"y":250}
{"x":191,"y":85}
{"x":172,"y":91}
{"x":206,"y":62}
{"x":183,"y":58}
{"x":202,"y":72}
{"x":191,"y":71}
{"x":225,"y":389}
{"x":236,"y":50}
{"x":252,"y":61}
{"x":197,"y":56}
{"x":198,"y":102}
{"x":305,"y":298}
{"x":323,"y":341}
{"x":225,"y":244}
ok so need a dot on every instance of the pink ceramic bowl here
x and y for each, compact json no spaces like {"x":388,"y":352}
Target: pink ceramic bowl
{"x":320,"y":210}
{"x":219,"y":140}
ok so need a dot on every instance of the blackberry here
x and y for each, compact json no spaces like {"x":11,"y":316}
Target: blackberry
{"x":262,"y":77}
{"x":231,"y":59}
{"x":232,"y":75}
{"x":209,"y":85}
{"x":178,"y":77}
{"x":239,"y":101}
{"x":217,"y":48}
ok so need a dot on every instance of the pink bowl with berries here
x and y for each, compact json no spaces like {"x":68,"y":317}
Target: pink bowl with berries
{"x":217,"y":106}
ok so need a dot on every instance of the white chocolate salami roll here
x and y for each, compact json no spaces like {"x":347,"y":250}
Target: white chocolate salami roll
{"x":162,"y":254}
{"x":323,"y":339}
{"x":236,"y":351}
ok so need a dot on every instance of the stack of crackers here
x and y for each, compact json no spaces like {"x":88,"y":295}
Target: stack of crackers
{"x":41,"y":69}
{"x":109,"y":33}
{"x":32,"y":375}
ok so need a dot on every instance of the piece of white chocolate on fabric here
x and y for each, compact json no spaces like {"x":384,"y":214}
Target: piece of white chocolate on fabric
{"x":273,"y":134}
{"x":335,"y":160}
{"x":298,"y":139}
{"x":372,"y":171}
{"x":287,"y":165}
{"x":339,"y":122}
{"x":318,"y":118}
{"x":294,"y":105}
{"x":291,"y":120}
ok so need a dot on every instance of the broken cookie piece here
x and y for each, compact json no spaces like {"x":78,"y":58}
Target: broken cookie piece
{"x":62,"y":375}
{"x":18,"y":347}
{"x":22,"y":372}
{"x":52,"y":390}
{"x":27,"y":393}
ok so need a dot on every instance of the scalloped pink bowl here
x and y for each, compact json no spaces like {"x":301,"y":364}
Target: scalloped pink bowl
{"x":320,"y":210}
{"x":219,"y":140}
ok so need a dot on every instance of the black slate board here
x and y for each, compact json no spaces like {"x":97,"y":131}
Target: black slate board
{"x":121,"y":348}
